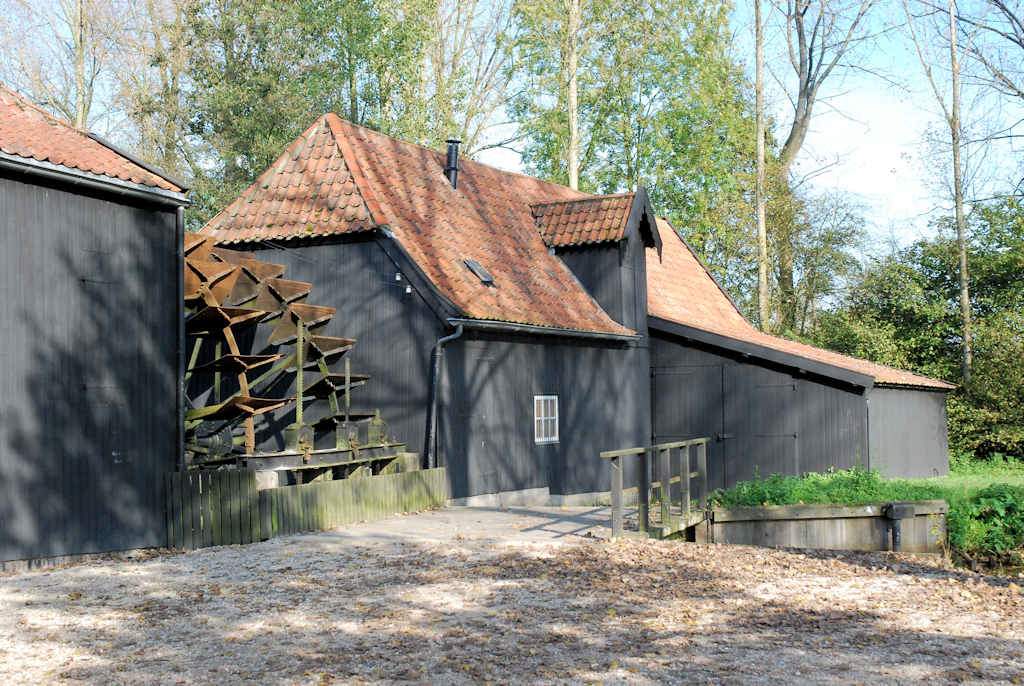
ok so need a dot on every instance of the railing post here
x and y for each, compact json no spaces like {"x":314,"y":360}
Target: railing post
{"x":644,"y":493}
{"x":702,"y":471}
{"x":684,"y":484}
{"x":665,"y":488}
{"x":616,"y":465}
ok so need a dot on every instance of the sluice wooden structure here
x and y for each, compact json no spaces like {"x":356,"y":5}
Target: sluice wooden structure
{"x":259,"y":356}
{"x":680,"y":508}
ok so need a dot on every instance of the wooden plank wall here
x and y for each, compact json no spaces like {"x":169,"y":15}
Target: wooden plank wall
{"x":223,"y":508}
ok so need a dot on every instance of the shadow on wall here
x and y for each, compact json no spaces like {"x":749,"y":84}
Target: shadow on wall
{"x":89,"y":417}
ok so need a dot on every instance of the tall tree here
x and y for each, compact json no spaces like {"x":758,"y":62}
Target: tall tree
{"x":661,"y":103}
{"x":152,"y":70}
{"x":571,"y":62}
{"x":58,"y":53}
{"x":821,"y":36}
{"x":953,"y":119}
{"x":763,"y":293}
{"x":468,"y":68}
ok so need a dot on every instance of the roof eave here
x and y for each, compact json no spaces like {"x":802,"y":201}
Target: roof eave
{"x":139,"y":162}
{"x":761,"y":352}
{"x":533,"y":329}
{"x":77,"y":177}
{"x":938,"y":387}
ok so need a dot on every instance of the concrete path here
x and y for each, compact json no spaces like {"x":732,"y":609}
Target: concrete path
{"x":486,"y":524}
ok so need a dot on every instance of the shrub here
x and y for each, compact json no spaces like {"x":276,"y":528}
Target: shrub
{"x":985,"y":525}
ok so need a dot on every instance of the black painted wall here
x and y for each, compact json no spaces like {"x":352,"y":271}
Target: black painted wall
{"x":394,"y":329}
{"x":908,"y":432}
{"x":487,"y":413}
{"x":615,"y":276}
{"x":88,"y":346}
{"x":762,"y":420}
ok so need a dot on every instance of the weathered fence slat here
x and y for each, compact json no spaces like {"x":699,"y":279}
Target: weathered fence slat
{"x":226,"y":507}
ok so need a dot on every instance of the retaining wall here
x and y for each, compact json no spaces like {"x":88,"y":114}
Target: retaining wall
{"x":830,"y":527}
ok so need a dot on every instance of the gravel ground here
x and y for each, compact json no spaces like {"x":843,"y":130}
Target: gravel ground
{"x":377,"y":604}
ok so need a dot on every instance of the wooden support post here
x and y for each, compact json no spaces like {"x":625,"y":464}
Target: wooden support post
{"x":348,"y":389}
{"x":644,"y":494}
{"x":702,"y":472}
{"x":300,"y":361}
{"x":616,"y":466}
{"x":665,"y":488}
{"x":684,"y":482}
{"x":216,"y":374}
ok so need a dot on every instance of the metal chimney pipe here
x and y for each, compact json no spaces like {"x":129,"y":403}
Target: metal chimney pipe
{"x":451,"y":167}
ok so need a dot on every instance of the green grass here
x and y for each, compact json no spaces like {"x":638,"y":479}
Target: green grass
{"x":986,"y":500}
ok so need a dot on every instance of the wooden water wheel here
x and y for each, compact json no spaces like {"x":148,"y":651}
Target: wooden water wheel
{"x":260,"y":352}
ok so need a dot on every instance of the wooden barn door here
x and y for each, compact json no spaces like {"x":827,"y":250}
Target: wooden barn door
{"x":687,"y":403}
{"x":760,"y":434}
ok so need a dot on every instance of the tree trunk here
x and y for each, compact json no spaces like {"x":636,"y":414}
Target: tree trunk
{"x":958,"y":197}
{"x":763,"y":297}
{"x":81,"y":107}
{"x":572,"y":64}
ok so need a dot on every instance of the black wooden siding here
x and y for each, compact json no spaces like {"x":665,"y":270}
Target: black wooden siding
{"x":908,"y":432}
{"x":88,"y":345}
{"x":762,"y":420}
{"x":615,"y":276}
{"x":487,"y":412}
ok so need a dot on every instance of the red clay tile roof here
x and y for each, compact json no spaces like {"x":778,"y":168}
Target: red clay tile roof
{"x":680,"y":290}
{"x":28,"y":131}
{"x":579,"y":222}
{"x":386,"y":182}
{"x":309,"y":191}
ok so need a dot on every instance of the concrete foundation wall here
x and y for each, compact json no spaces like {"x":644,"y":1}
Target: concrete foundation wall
{"x":830,"y":527}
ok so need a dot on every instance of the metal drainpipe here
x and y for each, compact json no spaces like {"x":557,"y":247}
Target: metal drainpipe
{"x":435,"y":381}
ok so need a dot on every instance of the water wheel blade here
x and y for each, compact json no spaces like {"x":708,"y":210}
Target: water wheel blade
{"x":312,"y":316}
{"x":327,"y":347}
{"x":215,"y":319}
{"x":236,"y":364}
{"x":204,"y":278}
{"x":334,"y":383}
{"x":198,"y":246}
{"x":289,"y":291}
{"x":262,"y":271}
{"x":232,"y":256}
{"x":236,"y":407}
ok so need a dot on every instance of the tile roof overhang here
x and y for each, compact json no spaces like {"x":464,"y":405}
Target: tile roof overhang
{"x":338,"y":178}
{"x":684,"y":300}
{"x":34,"y":141}
{"x":596,"y":219}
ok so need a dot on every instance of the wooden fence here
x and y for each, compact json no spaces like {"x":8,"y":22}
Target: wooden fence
{"x":207,"y":508}
{"x":667,"y":471}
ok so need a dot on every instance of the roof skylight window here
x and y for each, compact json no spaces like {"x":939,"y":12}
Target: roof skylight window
{"x":481,"y":273}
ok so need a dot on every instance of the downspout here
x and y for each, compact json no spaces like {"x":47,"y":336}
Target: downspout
{"x":430,"y":449}
{"x":179,"y":384}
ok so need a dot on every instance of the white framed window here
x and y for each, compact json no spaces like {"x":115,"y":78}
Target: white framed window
{"x":545,"y":419}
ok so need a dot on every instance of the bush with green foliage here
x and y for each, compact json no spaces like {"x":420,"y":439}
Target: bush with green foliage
{"x":984,"y":522}
{"x":903,"y":310}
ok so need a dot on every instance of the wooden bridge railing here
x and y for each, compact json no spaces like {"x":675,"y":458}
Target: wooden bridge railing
{"x":663,"y":463}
